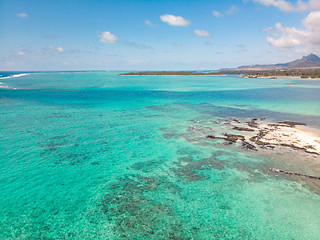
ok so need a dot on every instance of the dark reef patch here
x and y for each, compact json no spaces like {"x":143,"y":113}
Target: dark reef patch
{"x":190,"y":170}
{"x":243,"y":129}
{"x":54,"y":144}
{"x":64,"y":151}
{"x":137,"y":214}
{"x":95,"y":163}
{"x":147,"y":166}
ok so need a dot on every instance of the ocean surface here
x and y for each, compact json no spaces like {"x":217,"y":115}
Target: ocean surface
{"x":94,"y":155}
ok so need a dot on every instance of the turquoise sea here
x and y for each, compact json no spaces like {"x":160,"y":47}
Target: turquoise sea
{"x":95,"y":155}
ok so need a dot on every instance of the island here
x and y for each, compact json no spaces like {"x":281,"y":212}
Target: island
{"x":306,"y":67}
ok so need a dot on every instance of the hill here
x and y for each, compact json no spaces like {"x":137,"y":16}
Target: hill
{"x":311,"y":61}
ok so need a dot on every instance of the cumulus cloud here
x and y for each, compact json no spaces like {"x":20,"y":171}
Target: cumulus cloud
{"x":107,"y":37}
{"x":312,"y":23}
{"x":232,"y":10}
{"x":216,"y":13}
{"x":175,"y":20}
{"x":283,"y":42}
{"x":202,"y":33}
{"x":304,"y":39}
{"x":287,"y":6}
{"x":22,"y":15}
{"x":314,"y":4}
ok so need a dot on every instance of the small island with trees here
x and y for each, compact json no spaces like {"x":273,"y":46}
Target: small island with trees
{"x":306,"y":67}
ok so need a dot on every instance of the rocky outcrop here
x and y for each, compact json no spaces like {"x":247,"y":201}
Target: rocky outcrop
{"x":265,"y":135}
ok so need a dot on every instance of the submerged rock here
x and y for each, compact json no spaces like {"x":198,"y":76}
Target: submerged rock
{"x":233,"y":137}
{"x":248,"y":146}
{"x":292,"y":124}
{"x":293,"y":173}
{"x":253,"y":124}
{"x":213,"y":137}
{"x":243,"y":129}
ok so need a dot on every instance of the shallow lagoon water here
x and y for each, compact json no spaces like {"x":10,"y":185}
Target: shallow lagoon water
{"x":99,"y":156}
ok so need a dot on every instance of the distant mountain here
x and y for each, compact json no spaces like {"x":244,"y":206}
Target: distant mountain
{"x":311,"y":61}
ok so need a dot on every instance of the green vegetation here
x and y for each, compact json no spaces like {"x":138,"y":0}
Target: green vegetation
{"x":303,"y":73}
{"x":166,"y":73}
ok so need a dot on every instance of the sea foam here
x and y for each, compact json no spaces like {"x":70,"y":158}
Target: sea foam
{"x":16,"y":75}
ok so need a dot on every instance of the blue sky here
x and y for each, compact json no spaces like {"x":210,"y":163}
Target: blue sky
{"x":155,"y":35}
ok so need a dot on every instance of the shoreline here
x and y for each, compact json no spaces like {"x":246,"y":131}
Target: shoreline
{"x":259,"y":133}
{"x":302,"y":74}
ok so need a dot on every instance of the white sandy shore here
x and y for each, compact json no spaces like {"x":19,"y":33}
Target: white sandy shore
{"x":266,"y":134}
{"x":295,"y":137}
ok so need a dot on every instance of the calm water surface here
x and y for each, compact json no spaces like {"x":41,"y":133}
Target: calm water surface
{"x":94,"y":155}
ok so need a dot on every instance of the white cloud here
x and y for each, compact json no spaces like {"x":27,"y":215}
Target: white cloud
{"x":174,"y":20}
{"x":107,"y":37}
{"x":60,"y":49}
{"x":314,"y":4}
{"x":149,"y":23}
{"x":312,"y":23}
{"x":22,"y":15}
{"x":233,"y":9}
{"x":216,"y":13}
{"x":20,"y":53}
{"x":283,"y":42}
{"x":202,"y":33}
{"x":51,"y":49}
{"x":287,"y":6}
{"x":307,"y":39}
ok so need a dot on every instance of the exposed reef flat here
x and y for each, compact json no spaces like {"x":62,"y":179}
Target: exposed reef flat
{"x":261,"y":134}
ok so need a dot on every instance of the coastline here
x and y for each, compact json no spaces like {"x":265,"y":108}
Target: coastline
{"x":301,"y":73}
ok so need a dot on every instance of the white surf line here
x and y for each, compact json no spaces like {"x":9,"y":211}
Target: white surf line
{"x":16,"y":75}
